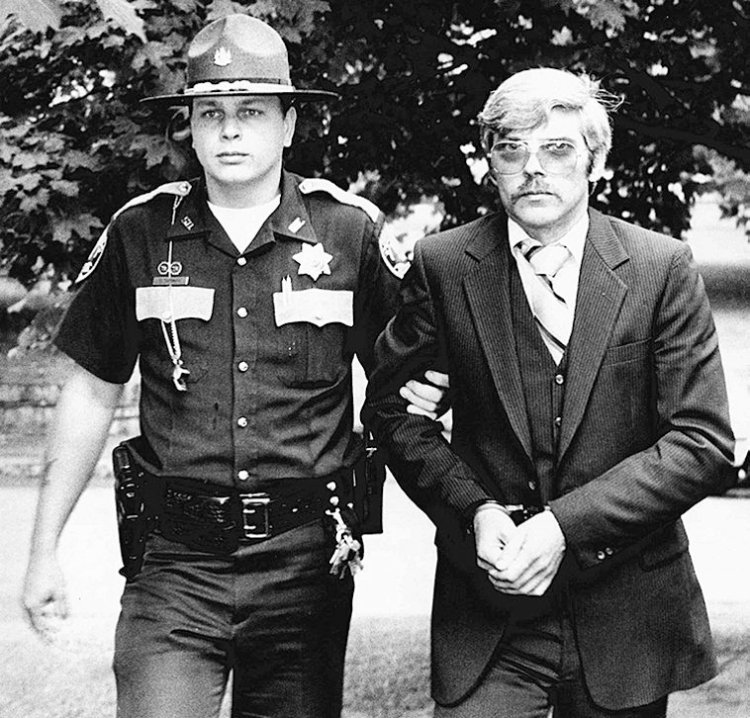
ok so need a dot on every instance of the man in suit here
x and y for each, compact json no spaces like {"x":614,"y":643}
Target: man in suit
{"x":589,"y":412}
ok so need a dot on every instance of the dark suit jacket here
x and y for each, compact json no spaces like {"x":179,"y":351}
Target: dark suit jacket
{"x":644,"y":436}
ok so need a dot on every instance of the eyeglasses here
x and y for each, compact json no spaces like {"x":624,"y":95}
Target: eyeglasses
{"x":556,"y":157}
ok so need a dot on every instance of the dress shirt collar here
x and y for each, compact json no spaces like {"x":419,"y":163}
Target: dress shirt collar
{"x":574,"y":239}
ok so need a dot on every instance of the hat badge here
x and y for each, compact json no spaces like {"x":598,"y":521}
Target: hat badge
{"x":222,"y":57}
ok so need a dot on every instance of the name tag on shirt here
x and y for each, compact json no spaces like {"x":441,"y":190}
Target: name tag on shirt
{"x":314,"y":306}
{"x":168,"y":303}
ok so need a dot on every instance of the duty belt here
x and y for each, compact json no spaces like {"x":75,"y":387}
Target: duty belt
{"x":219,"y":520}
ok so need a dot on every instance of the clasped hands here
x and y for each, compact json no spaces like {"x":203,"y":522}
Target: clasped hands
{"x":519,"y":560}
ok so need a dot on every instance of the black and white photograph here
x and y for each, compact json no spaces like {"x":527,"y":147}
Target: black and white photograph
{"x":374,"y":359}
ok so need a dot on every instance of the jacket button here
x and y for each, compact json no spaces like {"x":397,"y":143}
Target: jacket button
{"x":532,"y":485}
{"x":559,"y":378}
{"x":600,"y":555}
{"x":242,"y":312}
{"x":558,"y":421}
{"x":609,"y":551}
{"x":242,"y":422}
{"x":243,"y":366}
{"x":241,"y":261}
{"x":243,"y":475}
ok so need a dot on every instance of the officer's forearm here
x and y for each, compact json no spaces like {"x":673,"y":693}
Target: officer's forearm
{"x":82,"y":419}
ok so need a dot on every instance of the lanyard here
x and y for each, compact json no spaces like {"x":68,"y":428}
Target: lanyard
{"x":169,"y":326}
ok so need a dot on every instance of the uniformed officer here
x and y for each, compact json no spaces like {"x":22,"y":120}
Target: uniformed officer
{"x":243,"y":296}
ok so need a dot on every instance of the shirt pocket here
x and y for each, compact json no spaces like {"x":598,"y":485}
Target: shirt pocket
{"x":311,"y":356}
{"x":312,"y":328}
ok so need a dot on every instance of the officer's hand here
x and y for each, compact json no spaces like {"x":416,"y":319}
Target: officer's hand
{"x":427,"y":399}
{"x":44,"y":597}
{"x":531,"y":557}
{"x":492,"y":531}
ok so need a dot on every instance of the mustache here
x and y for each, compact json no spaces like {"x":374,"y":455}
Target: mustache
{"x":532,"y":187}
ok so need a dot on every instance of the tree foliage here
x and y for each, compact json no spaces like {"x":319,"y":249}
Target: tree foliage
{"x":75,"y":143}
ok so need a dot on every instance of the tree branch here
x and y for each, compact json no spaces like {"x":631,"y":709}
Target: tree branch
{"x":661,"y":132}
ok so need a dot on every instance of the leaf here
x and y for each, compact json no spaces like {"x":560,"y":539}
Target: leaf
{"x":264,"y":9}
{"x":31,"y":202}
{"x":84,"y":225}
{"x":75,"y":159}
{"x":30,"y":160}
{"x":54,"y":143}
{"x":222,"y":8}
{"x":7,"y":182}
{"x":29,"y":182}
{"x":35,"y":15}
{"x":303,"y":15}
{"x":7,"y":152}
{"x":612,"y":14}
{"x":155,"y":53}
{"x":122,"y":14}
{"x":187,"y":6}
{"x":156,"y":148}
{"x":65,"y":187}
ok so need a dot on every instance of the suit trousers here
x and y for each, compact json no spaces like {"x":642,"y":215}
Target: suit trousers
{"x":270,"y":614}
{"x":536,"y":673}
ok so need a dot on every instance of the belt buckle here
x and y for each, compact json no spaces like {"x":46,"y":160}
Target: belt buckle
{"x":252,"y":528}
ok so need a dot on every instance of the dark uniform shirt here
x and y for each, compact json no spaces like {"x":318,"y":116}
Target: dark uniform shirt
{"x":269,"y":390}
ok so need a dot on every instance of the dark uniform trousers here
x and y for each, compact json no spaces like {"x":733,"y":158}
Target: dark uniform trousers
{"x":536,"y":665}
{"x":270,"y":612}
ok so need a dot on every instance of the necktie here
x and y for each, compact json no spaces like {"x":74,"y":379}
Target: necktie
{"x":553,"y":316}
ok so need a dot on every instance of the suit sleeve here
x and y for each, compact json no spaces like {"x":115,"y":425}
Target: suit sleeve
{"x":440,"y":483}
{"x":693,"y":449}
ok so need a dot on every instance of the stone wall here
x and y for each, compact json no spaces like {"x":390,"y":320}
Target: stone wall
{"x":29,"y":388}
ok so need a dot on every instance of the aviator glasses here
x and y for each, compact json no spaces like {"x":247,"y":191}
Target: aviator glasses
{"x":556,"y":157}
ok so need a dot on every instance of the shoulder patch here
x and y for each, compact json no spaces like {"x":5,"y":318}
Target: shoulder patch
{"x":396,"y":262}
{"x":317,"y":184}
{"x":178,"y":189}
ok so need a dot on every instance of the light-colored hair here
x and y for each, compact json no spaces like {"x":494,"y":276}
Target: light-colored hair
{"x":524,"y":101}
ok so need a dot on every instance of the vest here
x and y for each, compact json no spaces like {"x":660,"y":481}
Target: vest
{"x":544,"y":390}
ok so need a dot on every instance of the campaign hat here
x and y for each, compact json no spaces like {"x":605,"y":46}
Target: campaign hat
{"x":238,"y":55}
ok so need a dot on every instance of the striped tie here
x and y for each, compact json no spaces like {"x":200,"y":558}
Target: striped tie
{"x":553,"y":316}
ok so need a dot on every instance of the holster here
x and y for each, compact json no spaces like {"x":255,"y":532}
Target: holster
{"x":133,"y":523}
{"x":369,"y":477}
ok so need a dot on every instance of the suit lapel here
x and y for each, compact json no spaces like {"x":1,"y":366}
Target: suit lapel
{"x":600,"y":296}
{"x":487,"y":293}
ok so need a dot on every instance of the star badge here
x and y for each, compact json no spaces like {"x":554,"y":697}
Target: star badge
{"x":313,"y":261}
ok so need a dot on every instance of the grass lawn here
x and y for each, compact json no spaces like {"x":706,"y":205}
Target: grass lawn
{"x":387,"y":676}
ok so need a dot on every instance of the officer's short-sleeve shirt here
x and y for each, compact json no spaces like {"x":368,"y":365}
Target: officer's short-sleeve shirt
{"x":267,"y":335}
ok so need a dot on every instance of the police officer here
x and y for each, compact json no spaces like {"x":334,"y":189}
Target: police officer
{"x":243,"y":296}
